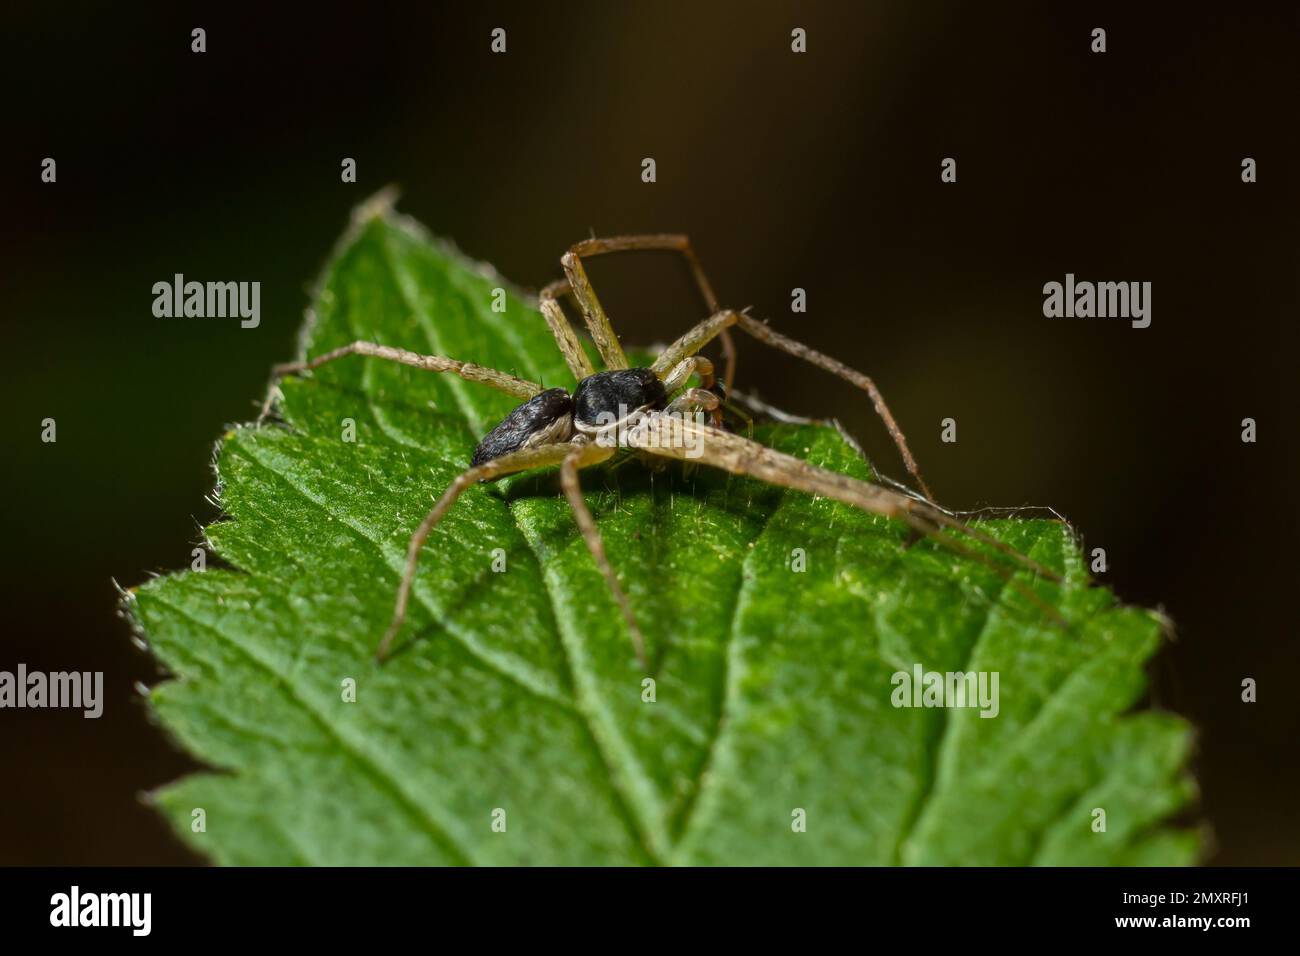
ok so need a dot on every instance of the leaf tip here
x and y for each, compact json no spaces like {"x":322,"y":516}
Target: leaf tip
{"x":377,"y":206}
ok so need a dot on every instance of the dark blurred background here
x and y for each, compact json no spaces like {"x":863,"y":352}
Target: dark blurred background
{"x":818,"y":170}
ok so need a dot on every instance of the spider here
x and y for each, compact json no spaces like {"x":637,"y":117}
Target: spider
{"x":652,"y":413}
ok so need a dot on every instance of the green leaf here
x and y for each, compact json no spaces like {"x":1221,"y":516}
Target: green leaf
{"x":519,"y":691}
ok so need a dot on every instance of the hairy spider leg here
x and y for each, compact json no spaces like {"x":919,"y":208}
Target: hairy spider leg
{"x":676,"y":377}
{"x":570,"y":456}
{"x":598,"y":323}
{"x":518,"y":387}
{"x":698,"y":337}
{"x":522,"y":460}
{"x":583,"y":456}
{"x":704,"y":444}
{"x":574,"y":355}
{"x":692,"y":400}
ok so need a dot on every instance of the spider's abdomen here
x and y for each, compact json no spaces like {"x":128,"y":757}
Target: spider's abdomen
{"x":607,"y":397}
{"x":542,"y":420}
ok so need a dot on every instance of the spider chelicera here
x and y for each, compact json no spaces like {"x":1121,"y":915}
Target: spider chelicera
{"x":649,"y":412}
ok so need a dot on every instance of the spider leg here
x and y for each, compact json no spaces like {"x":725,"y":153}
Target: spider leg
{"x":598,"y":324}
{"x":693,"y":340}
{"x":538,"y":457}
{"x":581,"y":457}
{"x":595,"y":315}
{"x":574,"y":356}
{"x":518,"y":387}
{"x":702,"y":334}
{"x":682,"y":438}
{"x":775,"y":339}
{"x":680,"y":375}
{"x":692,"y":400}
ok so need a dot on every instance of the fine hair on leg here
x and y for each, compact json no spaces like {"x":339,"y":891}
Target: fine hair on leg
{"x":702,"y":334}
{"x":567,"y":340}
{"x":741,"y":456}
{"x":502,"y":382}
{"x":664,"y":242}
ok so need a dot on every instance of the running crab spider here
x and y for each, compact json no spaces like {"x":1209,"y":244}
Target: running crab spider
{"x":650,"y":412}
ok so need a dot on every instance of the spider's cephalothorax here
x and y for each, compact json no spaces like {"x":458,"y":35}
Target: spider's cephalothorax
{"x":608,"y":397}
{"x":553,"y":416}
